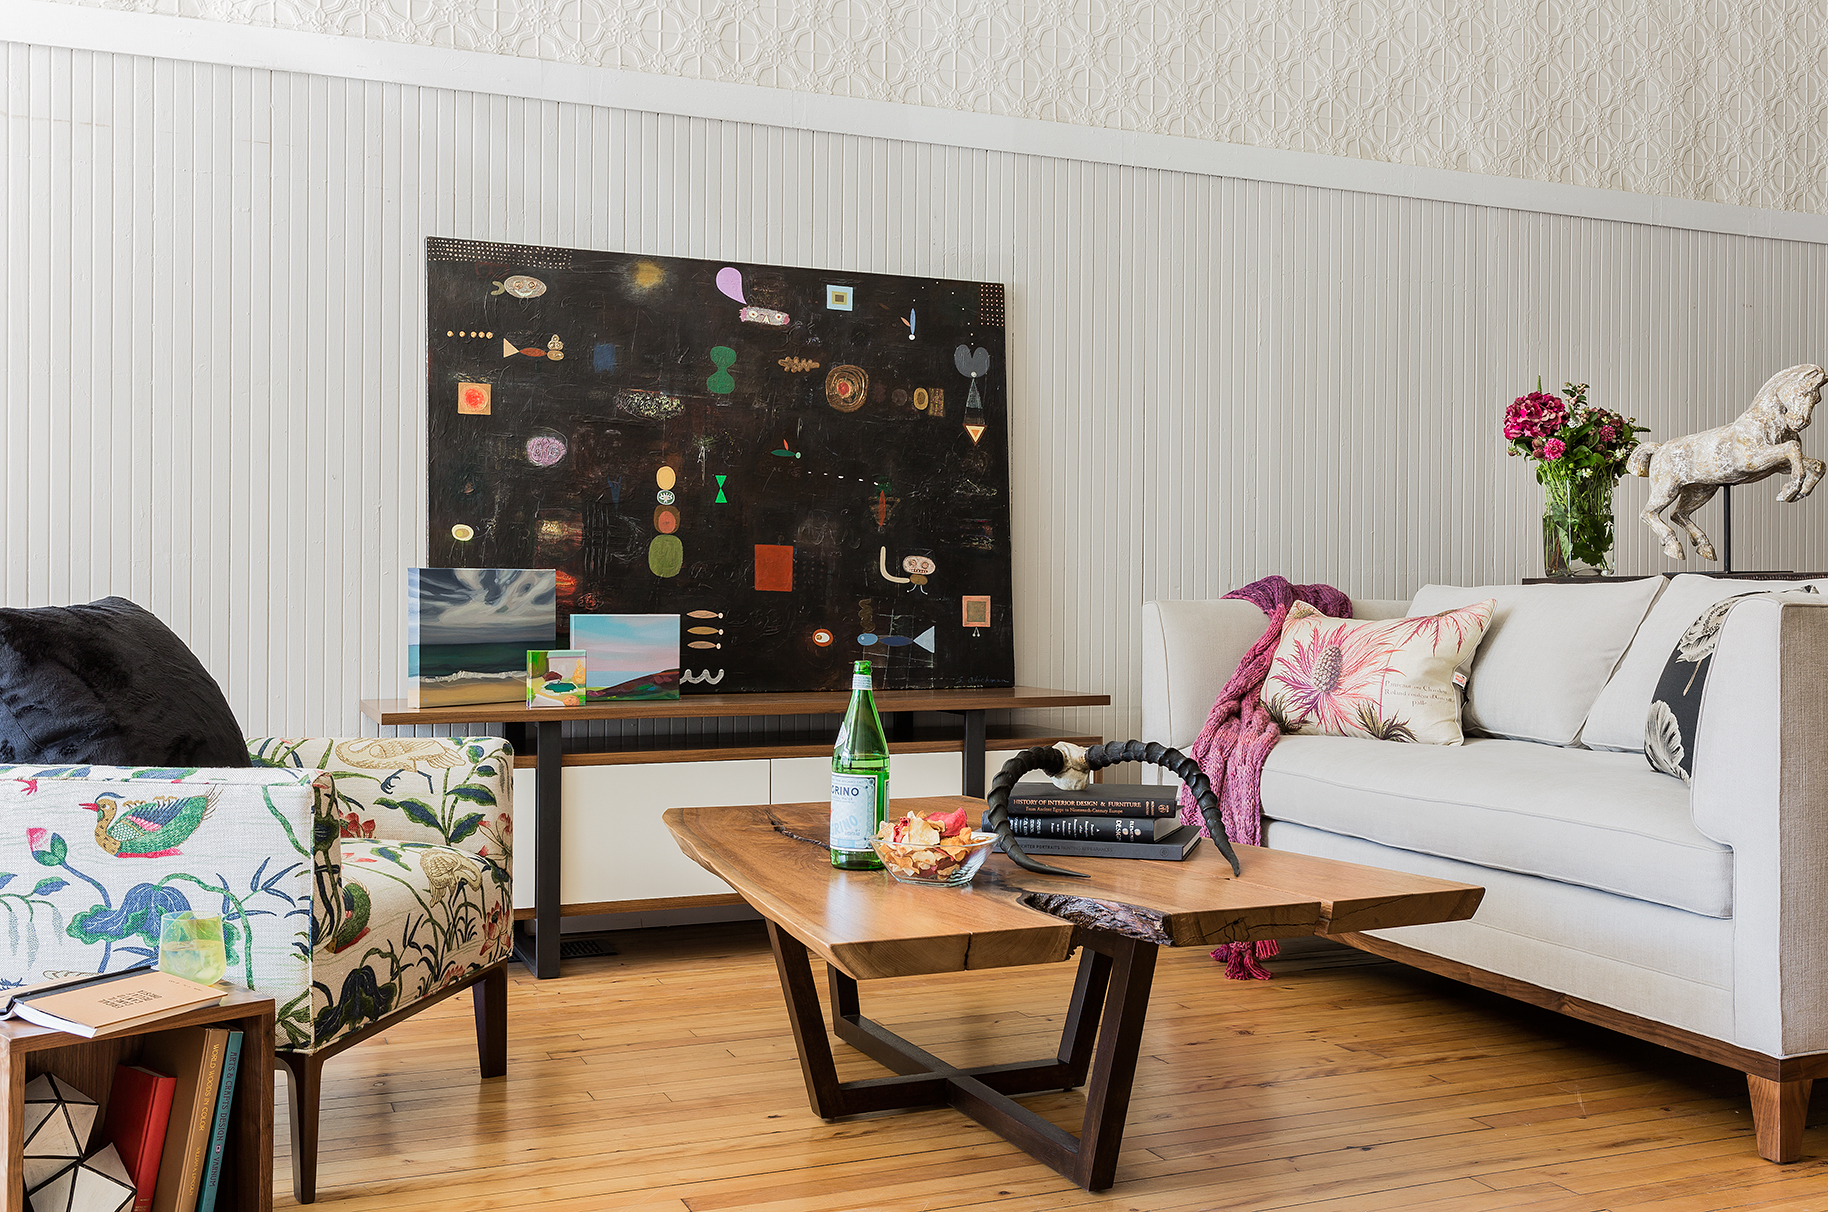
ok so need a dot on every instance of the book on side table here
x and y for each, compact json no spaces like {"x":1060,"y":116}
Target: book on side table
{"x":101,"y":1005}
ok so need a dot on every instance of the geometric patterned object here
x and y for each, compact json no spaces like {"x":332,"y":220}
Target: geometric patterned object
{"x":100,"y":1184}
{"x":58,"y":1120}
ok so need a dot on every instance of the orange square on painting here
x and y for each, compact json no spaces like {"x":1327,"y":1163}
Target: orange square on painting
{"x":473,"y":398}
{"x":774,"y":568}
{"x":976,"y":611}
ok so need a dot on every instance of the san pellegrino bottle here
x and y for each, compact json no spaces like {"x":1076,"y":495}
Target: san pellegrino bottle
{"x":859,"y":778}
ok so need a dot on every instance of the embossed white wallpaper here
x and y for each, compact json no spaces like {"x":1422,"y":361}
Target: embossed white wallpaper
{"x":1713,"y":101}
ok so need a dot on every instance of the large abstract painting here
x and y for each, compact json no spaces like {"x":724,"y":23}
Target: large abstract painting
{"x":807,"y":467}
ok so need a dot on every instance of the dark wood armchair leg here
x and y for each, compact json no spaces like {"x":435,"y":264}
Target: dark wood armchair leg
{"x":491,"y":999}
{"x":304,"y":1085}
{"x":1778,"y":1111}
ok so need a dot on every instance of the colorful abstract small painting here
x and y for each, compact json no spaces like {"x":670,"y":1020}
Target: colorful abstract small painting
{"x":838,"y":298}
{"x":628,"y":656}
{"x":468,"y":631}
{"x":555,"y":677}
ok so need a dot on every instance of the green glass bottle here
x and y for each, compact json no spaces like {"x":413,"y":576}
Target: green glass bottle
{"x":859,"y":778}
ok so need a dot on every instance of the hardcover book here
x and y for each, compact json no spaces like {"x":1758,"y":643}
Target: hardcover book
{"x":1095,"y":828}
{"x":1037,"y":798}
{"x":139,"y":1109}
{"x":194,"y":1056}
{"x":218,"y":1136}
{"x":1173,"y":848}
{"x":99,"y":1005}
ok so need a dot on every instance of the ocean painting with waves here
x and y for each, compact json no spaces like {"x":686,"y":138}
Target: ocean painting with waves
{"x":468,"y":631}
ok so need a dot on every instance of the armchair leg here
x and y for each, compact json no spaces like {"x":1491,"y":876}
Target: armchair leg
{"x":1778,"y":1111}
{"x":304,"y":1085}
{"x":491,"y":999}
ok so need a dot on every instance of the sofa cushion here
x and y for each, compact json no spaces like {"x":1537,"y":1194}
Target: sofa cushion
{"x":1387,"y":679}
{"x":108,"y":684}
{"x":1617,"y":718}
{"x":1600,"y":820}
{"x":1547,"y":654}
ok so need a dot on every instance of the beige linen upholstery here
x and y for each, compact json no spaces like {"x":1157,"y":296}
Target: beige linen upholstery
{"x":1207,"y":639}
{"x":1606,"y":821}
{"x":1642,"y":958}
{"x":1617,"y":718}
{"x":1761,"y":787}
{"x":1547,"y":653}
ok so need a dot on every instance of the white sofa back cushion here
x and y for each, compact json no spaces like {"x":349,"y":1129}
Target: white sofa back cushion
{"x":1617,"y":719}
{"x":1190,"y":650}
{"x":1547,"y":653}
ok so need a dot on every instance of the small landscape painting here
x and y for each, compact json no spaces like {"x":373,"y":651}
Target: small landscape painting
{"x":468,"y":632}
{"x":555,"y":678}
{"x":628,"y":656}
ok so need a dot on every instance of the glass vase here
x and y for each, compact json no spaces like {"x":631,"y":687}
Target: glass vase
{"x":1576,"y":523}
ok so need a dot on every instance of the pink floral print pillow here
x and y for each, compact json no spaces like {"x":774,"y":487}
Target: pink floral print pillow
{"x":1386,"y":679}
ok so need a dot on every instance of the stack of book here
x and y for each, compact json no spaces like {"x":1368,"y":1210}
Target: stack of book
{"x":1106,"y":820}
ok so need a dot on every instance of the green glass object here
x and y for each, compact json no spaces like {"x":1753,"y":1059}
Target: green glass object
{"x":1576,"y":522}
{"x":859,"y":778}
{"x":190,"y":946}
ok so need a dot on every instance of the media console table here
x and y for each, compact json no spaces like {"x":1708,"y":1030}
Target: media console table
{"x":549,"y":754}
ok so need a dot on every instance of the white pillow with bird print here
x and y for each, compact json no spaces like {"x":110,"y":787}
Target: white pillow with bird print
{"x":1386,"y":679}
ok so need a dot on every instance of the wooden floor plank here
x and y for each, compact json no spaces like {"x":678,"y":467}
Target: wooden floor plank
{"x":664,"y":1077}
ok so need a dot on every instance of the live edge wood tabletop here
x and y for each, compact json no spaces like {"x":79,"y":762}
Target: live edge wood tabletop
{"x":88,"y":1064}
{"x":866,"y":926}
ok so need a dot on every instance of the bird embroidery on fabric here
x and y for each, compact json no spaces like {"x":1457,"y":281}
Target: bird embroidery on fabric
{"x":152,"y":828}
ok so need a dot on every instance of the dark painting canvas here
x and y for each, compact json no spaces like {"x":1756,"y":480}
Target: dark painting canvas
{"x":808,"y":467}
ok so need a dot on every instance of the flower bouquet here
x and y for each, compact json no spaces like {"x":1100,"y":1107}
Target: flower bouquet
{"x":1580,"y":453}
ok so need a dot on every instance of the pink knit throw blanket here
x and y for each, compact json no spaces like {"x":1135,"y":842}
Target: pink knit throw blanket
{"x":1238,"y":736}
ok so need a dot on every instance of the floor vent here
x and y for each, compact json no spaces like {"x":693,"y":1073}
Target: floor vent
{"x":584,"y":948}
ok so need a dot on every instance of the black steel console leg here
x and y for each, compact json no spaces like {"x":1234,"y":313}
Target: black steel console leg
{"x":541,"y":952}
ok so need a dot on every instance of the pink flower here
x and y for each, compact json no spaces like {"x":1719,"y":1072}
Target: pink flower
{"x":35,"y":838}
{"x":1607,"y":433}
{"x":1553,"y":449}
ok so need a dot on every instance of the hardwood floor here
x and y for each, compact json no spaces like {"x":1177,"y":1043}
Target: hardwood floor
{"x":665,"y":1078}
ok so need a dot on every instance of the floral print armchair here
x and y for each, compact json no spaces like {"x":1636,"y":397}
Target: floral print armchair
{"x":358,"y":881}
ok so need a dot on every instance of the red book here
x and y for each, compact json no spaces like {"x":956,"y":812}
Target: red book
{"x":139,"y":1107}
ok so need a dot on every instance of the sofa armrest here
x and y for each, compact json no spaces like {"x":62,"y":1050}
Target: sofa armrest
{"x":1761,"y":787}
{"x":93,"y":857}
{"x":454,"y":791}
{"x":1191,"y":649}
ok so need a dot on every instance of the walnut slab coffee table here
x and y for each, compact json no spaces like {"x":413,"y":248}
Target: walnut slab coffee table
{"x":866,"y":926}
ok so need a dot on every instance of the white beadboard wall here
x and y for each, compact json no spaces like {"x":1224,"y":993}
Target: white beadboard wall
{"x":211,"y":348}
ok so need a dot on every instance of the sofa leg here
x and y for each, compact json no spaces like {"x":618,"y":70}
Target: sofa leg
{"x":1778,"y":1110}
{"x":304,"y":1085}
{"x":491,"y":999}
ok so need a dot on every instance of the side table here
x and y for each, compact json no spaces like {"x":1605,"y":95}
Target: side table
{"x":88,"y":1064}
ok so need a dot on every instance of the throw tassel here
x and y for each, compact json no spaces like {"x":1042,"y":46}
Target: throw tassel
{"x":1241,"y":959}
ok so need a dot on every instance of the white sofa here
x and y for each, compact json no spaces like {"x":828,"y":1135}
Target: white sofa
{"x":1693,"y":917}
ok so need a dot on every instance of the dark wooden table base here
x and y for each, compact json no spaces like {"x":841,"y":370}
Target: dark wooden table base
{"x":1113,"y":986}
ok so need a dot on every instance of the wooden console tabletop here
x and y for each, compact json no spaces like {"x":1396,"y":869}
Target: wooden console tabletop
{"x":538,"y":737}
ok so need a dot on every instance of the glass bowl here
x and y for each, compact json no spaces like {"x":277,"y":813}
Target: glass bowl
{"x":948,"y":865}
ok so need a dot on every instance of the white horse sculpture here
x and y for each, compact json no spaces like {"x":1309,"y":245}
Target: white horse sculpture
{"x":1688,"y":471}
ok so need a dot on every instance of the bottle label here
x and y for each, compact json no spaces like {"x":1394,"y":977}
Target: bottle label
{"x":853,"y":811}
{"x":861,"y":681}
